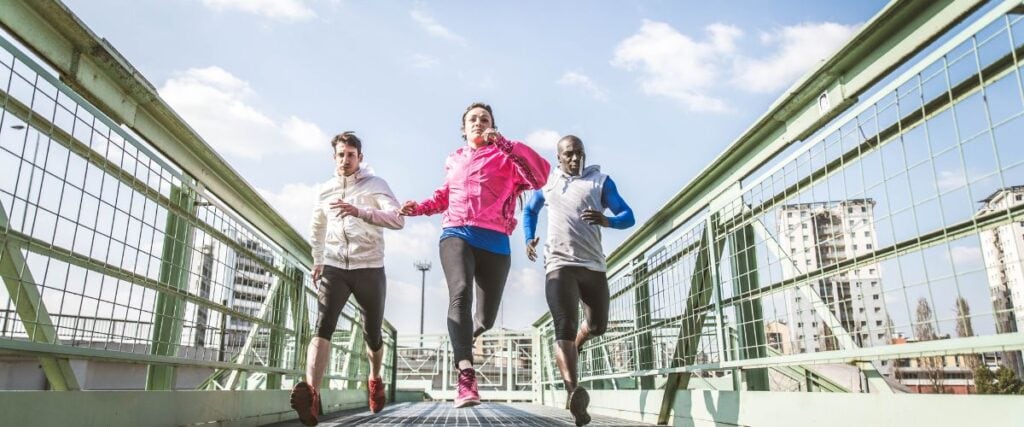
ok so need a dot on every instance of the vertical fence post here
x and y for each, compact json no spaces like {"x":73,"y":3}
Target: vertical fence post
{"x":300,"y":319}
{"x":642,"y":323}
{"x":749,"y":316}
{"x":394,"y":362}
{"x":277,"y":318}
{"x":169,"y":309}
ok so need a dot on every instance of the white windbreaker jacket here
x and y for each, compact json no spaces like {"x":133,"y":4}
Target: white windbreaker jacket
{"x":353,"y":242}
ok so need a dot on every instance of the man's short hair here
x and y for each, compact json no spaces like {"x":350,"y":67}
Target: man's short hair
{"x":348,"y":138}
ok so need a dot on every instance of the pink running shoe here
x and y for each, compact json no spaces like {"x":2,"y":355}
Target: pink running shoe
{"x":468,"y":394}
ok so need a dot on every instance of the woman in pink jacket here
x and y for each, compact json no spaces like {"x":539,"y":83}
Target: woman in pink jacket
{"x":483,"y":179}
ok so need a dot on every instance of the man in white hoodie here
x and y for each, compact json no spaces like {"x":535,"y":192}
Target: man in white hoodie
{"x":348,"y":259}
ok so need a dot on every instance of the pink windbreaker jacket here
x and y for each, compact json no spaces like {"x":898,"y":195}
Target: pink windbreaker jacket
{"x":481,"y":185}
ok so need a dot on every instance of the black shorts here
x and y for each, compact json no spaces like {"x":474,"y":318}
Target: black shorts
{"x":369,"y":286}
{"x":566,"y":287}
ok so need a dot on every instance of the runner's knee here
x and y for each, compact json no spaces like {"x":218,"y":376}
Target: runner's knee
{"x":597,"y":330}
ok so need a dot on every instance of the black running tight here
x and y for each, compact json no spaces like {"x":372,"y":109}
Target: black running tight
{"x":369,"y":285}
{"x":462,"y":265}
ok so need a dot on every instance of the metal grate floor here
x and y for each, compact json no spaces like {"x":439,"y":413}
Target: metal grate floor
{"x":442,"y":413}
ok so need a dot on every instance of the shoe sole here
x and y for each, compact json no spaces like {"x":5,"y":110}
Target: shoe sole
{"x":578,"y":403}
{"x":380,"y":408}
{"x":302,"y":403}
{"x":466,"y":403}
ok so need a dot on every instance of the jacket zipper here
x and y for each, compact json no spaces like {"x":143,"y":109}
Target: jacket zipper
{"x":344,"y":232}
{"x":471,"y":217}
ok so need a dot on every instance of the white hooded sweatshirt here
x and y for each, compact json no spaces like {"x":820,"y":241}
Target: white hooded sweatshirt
{"x":353,"y":242}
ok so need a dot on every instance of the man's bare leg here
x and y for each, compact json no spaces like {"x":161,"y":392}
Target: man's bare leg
{"x":375,"y":385}
{"x":305,"y":397}
{"x":318,"y":354}
{"x":375,"y":358}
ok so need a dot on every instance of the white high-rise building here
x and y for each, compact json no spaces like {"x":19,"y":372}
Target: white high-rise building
{"x":1003,"y":251}
{"x":249,"y":285}
{"x":814,"y":235}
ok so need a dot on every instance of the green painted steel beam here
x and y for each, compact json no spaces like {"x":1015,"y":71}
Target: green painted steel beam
{"x":642,"y":322}
{"x":353,"y":359}
{"x":56,"y":134}
{"x":300,"y":318}
{"x":161,"y":408}
{"x":87,"y":353}
{"x":899,"y":31}
{"x":278,"y":314}
{"x":839,"y":332}
{"x":749,"y":313}
{"x":942,"y":347}
{"x":727,"y":408}
{"x":238,"y":377}
{"x":21,"y":287}
{"x":803,"y":374}
{"x":169,"y":310}
{"x":92,"y":67}
{"x":953,"y":232}
{"x":40,"y":247}
{"x":702,"y":283}
{"x":393,"y":372}
{"x":905,"y":124}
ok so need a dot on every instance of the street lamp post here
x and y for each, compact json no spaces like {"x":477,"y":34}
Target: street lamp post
{"x":423,"y":267}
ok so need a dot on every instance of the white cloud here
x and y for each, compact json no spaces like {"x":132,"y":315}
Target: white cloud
{"x":420,"y":60}
{"x":674,"y":65}
{"x":434,"y":28}
{"x":582,"y":81}
{"x":303,"y":134}
{"x":966,"y":256}
{"x":796,"y":49}
{"x":416,"y":241}
{"x":697,"y":72}
{"x":217,"y":105}
{"x":281,"y":10}
{"x":951,"y":180}
{"x":295,"y":203}
{"x":543,"y":140}
{"x":408,"y":292}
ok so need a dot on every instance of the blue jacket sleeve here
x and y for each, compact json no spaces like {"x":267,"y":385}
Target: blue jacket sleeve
{"x":530,"y":214}
{"x":612,"y":200}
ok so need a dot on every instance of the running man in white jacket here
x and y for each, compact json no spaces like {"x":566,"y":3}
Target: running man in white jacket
{"x":348,"y":259}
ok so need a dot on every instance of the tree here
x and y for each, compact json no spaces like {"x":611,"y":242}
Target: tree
{"x":964,"y":329}
{"x":963,"y":318}
{"x":924,"y":330}
{"x":1002,"y":381}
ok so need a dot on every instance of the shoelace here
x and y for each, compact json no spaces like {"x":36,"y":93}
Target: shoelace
{"x":466,"y":380}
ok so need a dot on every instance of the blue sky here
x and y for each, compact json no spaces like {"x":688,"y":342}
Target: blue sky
{"x":655,"y":89}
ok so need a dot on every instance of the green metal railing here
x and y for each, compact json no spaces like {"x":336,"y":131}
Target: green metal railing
{"x":873,"y":219}
{"x":120,"y":242}
{"x":504,"y":361}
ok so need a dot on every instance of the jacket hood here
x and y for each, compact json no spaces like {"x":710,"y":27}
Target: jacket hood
{"x":364,"y":171}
